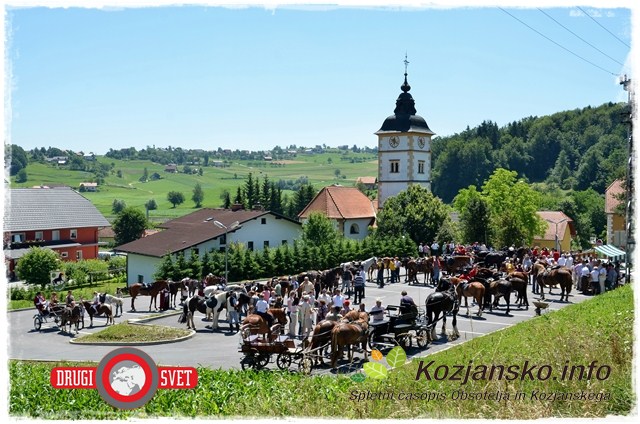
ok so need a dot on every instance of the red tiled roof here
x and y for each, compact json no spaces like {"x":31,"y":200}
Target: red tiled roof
{"x":366,"y":180}
{"x":612,"y":196}
{"x":551,"y":217}
{"x":338,"y":202}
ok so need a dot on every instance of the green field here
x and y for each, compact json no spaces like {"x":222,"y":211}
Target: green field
{"x":600,"y":329}
{"x":320,"y":169}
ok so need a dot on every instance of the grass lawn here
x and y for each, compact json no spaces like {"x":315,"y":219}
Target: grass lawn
{"x":321,"y":170}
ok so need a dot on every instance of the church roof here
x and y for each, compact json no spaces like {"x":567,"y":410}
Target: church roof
{"x":612,"y":196}
{"x":338,"y":202}
{"x":404,"y":118}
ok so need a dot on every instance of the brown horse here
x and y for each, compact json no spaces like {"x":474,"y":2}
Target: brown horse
{"x":519,"y":286}
{"x":348,"y":334}
{"x":465,"y":289}
{"x":258,"y":325}
{"x":354,"y":315}
{"x":138,"y":289}
{"x":71,"y":316}
{"x":559,"y":276}
{"x":501,"y":288}
{"x":320,"y":339}
{"x":103,"y":309}
{"x":455,"y":263}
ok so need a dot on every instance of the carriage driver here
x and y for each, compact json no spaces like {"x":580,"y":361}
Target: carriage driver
{"x":261,"y":309}
{"x":70,"y":301}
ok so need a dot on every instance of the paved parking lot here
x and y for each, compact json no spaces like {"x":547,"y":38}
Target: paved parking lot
{"x":219,"y":349}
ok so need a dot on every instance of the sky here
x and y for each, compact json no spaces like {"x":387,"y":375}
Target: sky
{"x":207,"y":76}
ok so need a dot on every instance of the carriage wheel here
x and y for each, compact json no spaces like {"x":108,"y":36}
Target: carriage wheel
{"x":306,"y":365}
{"x":422,"y":338}
{"x":283,"y":360}
{"x":37,"y":322}
{"x":262,"y":360}
{"x":248,"y":362}
{"x":372,"y":340}
{"x":404,"y":341}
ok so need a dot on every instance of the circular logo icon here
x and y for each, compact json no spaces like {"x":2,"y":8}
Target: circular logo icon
{"x":127,"y":378}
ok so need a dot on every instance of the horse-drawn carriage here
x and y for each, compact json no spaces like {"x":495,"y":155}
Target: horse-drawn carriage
{"x":400,"y":329}
{"x":259,"y":350}
{"x":61,"y":316}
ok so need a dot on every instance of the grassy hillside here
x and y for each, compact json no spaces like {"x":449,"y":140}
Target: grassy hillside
{"x":600,"y":329}
{"x":320,"y":169}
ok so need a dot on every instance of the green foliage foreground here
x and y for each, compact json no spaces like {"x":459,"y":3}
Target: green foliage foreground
{"x":600,"y":329}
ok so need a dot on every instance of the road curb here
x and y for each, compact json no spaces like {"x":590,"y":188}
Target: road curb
{"x":156,"y":342}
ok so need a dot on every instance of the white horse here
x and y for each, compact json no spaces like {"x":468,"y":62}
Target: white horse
{"x":220,"y":303}
{"x":115,"y":302}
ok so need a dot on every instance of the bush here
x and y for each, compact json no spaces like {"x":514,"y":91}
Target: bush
{"x":87,"y":270}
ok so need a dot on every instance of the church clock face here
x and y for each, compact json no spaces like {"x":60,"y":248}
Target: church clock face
{"x":421,"y":142}
{"x":394,"y":142}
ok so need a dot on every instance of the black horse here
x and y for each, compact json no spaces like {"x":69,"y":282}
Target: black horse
{"x":495,"y":258}
{"x":442,"y":301}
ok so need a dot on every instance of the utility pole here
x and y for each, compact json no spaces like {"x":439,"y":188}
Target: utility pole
{"x":629,"y":210}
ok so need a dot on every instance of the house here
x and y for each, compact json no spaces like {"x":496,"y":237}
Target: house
{"x":559,"y":226}
{"x":171,"y":168}
{"x":60,"y":219}
{"x":197,"y":233}
{"x":88,"y":186}
{"x":616,"y":223}
{"x":369,"y":183}
{"x":348,"y":207}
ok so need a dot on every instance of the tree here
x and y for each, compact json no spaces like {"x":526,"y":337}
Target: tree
{"x":129,"y":225}
{"x":18,"y":159}
{"x":318,"y":230}
{"x":36,"y":265}
{"x":514,"y":205}
{"x":198,"y":195}
{"x":226,"y":199}
{"x":21,"y":176}
{"x":118,"y":206}
{"x":151,"y":205}
{"x":166,"y":269}
{"x":415,"y":212}
{"x":145,"y":176}
{"x":175,"y":198}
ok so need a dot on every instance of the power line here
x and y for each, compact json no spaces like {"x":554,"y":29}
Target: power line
{"x":601,"y":26}
{"x":585,"y":41}
{"x":557,"y":44}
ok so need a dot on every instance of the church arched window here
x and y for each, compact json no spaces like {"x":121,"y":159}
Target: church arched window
{"x":354,"y":229}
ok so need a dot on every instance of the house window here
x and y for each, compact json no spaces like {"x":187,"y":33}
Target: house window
{"x":78,"y":255}
{"x":250,"y":245}
{"x":73,"y":234}
{"x":140,"y":278}
{"x":17,"y":238}
{"x":284,"y":242}
{"x":420,"y":167}
{"x":222,"y":249}
{"x":354,"y":229}
{"x":39,"y":235}
{"x":263,"y":221}
{"x":395,"y":166}
{"x":55,"y":235}
{"x":223,"y":239}
{"x":195,"y":251}
{"x":266,"y":243}
{"x":64,"y":254}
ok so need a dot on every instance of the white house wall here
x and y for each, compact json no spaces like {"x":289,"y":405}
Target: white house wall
{"x":274,"y":230}
{"x":363,"y":225}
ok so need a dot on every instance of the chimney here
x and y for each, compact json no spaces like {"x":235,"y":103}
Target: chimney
{"x":258,"y":207}
{"x":237,"y":207}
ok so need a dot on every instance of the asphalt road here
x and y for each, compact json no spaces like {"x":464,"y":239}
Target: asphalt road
{"x":219,"y":349}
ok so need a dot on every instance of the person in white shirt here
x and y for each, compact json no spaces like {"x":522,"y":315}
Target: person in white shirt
{"x":577,"y":273}
{"x":562,"y":260}
{"x":377,"y":312}
{"x":338,"y":299}
{"x":325,"y":296}
{"x":584,"y":277}
{"x":262,"y":309}
{"x":292,"y":309}
{"x":569,"y":261}
{"x":595,"y":272}
{"x":305,"y":317}
{"x":602,"y":277}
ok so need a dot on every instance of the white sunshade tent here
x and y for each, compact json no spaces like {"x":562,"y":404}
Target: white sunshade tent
{"x":611,"y":252}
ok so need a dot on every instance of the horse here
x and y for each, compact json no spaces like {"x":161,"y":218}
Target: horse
{"x":329,"y":278}
{"x":495,"y":258}
{"x":415,"y":266}
{"x":355,"y":315}
{"x":175,"y":287}
{"x":190,"y":306}
{"x":114,"y":301}
{"x":103,"y":309}
{"x":191,"y":284}
{"x":71,"y":316}
{"x":217,"y":303}
{"x":520,"y":287}
{"x":466,"y":288}
{"x":348,"y":334}
{"x":139,"y":289}
{"x":214,"y":280}
{"x":452,"y":264}
{"x":560,"y":276}
{"x":442,"y":301}
{"x":501,"y":288}
{"x":320,"y":339}
{"x":258,"y":325}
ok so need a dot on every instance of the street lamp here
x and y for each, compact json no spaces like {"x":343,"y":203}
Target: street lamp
{"x":226,"y":243}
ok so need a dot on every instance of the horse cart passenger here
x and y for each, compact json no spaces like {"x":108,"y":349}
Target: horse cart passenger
{"x":401,"y":326}
{"x":259,"y":349}
{"x":50,"y":311}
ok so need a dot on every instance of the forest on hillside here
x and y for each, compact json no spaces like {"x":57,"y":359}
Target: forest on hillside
{"x":573,"y":150}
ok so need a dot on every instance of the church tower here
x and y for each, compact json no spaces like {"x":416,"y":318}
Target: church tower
{"x":404,"y":148}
